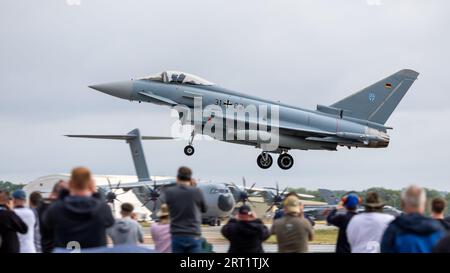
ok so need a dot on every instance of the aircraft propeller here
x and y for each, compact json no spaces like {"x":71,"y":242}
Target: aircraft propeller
{"x":278,"y":198}
{"x":243,"y":194}
{"x":111,"y":195}
{"x":154,"y":195}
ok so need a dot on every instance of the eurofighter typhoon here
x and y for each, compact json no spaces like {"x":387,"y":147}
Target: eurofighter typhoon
{"x":276,"y":128}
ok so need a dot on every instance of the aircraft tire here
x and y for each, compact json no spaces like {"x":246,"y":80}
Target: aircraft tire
{"x":285,"y":161}
{"x":264,"y":163}
{"x":189,"y":150}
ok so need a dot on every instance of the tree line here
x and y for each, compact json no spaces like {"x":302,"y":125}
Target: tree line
{"x":9,"y":186}
{"x":389,"y":196}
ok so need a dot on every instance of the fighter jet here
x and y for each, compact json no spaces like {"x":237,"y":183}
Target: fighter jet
{"x":355,"y":121}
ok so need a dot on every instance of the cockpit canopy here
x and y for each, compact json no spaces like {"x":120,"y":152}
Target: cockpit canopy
{"x":178,"y":77}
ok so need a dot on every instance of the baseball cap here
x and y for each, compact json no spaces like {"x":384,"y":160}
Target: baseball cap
{"x":19,"y":194}
{"x":292,"y":204}
{"x":351,"y":201}
{"x":245,"y":210}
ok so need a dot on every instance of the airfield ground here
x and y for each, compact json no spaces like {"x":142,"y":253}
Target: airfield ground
{"x":324,"y":239}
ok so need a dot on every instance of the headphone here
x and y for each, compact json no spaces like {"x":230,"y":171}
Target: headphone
{"x":345,"y":197}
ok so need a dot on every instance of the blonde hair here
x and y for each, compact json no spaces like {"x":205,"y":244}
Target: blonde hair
{"x":80,"y":178}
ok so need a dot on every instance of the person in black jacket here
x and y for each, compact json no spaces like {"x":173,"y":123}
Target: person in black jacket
{"x":246,"y":233}
{"x":10,"y":225}
{"x":438,"y":206}
{"x":80,"y":218}
{"x":59,"y":191}
{"x":443,"y":245}
{"x":341,"y":220}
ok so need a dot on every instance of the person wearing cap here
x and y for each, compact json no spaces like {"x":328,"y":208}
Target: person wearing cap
{"x":412,"y":231}
{"x":293,"y":231}
{"x":26,"y":240}
{"x":161,"y":231}
{"x":365,"y":230}
{"x":246,"y":233}
{"x":350,"y":203}
{"x":280,"y":211}
{"x":186,"y":205}
{"x":10,"y":226}
{"x":126,"y":231}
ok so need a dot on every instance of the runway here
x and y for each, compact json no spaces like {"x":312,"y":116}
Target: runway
{"x":220,"y":244}
{"x":268,"y":248}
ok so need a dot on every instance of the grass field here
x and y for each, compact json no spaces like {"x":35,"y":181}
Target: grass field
{"x":321,"y":237}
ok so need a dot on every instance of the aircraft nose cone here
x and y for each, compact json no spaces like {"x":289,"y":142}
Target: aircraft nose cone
{"x":121,"y":90}
{"x":225,"y":202}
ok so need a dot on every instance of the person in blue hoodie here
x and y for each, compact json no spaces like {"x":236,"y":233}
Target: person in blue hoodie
{"x":412,"y":232}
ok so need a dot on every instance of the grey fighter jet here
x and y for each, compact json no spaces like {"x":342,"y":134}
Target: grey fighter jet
{"x":355,"y":121}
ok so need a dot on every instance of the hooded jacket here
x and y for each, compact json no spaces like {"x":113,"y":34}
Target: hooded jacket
{"x":10,"y":225}
{"x":245,"y":236}
{"x":445,"y":223}
{"x":126,"y":231}
{"x":83,"y":219}
{"x":411,"y":233}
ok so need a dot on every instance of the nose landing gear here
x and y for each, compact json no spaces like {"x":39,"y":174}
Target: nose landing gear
{"x":189,"y":149}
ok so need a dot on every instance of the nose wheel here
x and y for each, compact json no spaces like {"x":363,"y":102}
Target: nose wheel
{"x":285,"y":161}
{"x":189,"y":150}
{"x":264,"y":160}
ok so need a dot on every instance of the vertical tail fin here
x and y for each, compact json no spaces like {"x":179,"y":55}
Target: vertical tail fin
{"x":377,"y":102}
{"x":133,"y":138}
{"x":137,"y":153}
{"x":329,"y":196}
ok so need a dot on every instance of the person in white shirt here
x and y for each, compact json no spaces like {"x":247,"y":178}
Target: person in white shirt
{"x":365,"y":230}
{"x":26,"y":240}
{"x":35,"y":199}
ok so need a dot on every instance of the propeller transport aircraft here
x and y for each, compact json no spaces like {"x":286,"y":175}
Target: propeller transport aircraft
{"x":150,"y":192}
{"x":221,"y":198}
{"x":355,"y":121}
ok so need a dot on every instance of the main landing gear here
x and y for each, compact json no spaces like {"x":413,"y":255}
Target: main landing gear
{"x":285,"y":161}
{"x":264,"y":160}
{"x":189,"y":149}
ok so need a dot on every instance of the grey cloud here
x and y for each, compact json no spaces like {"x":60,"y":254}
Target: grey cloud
{"x":301,"y":52}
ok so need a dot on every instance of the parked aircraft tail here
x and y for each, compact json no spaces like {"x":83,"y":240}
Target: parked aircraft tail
{"x":329,"y":197}
{"x":133,"y":138}
{"x":377,"y":102}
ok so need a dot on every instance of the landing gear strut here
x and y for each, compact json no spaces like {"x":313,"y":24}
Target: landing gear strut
{"x":264,"y":160}
{"x":189,"y":149}
{"x":285,"y":161}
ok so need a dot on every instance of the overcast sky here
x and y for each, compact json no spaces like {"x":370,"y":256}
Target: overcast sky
{"x":301,"y":52}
